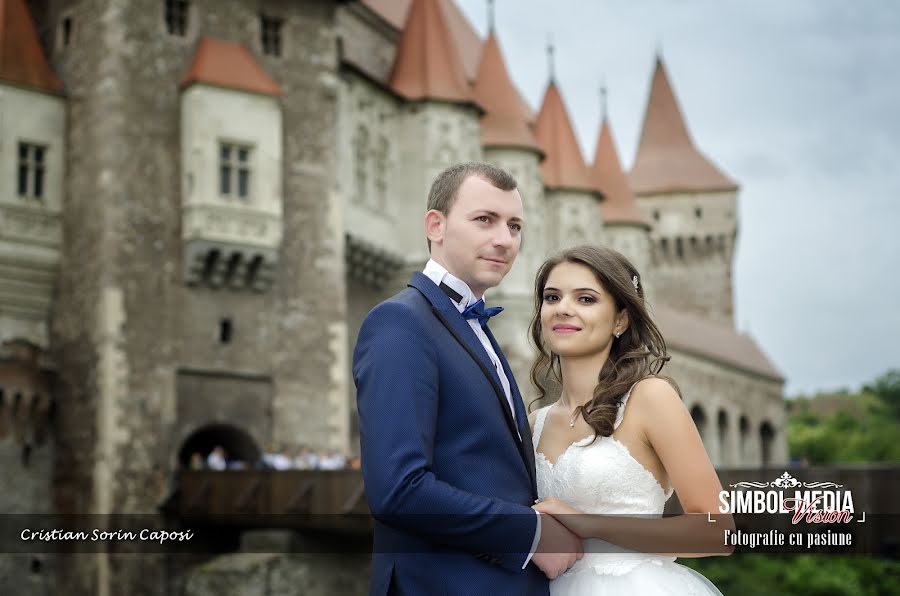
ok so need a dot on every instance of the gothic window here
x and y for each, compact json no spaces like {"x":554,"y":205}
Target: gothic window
{"x":656,"y":215}
{"x":176,"y":17}
{"x":361,"y":149}
{"x":381,"y":172}
{"x":767,"y":441}
{"x":234,"y":170}
{"x":270,"y":30}
{"x":698,"y":212}
{"x":699,"y":417}
{"x":31,"y":170}
{"x":66,"y":31}
{"x":664,"y":246}
{"x":679,"y":248}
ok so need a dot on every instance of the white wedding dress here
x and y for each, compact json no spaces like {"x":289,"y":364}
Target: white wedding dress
{"x":604,"y":478}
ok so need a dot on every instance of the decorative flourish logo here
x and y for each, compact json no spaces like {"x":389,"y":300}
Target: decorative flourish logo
{"x":785,"y":481}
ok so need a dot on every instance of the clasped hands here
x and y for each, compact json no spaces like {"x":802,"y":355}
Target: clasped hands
{"x":560,"y":546}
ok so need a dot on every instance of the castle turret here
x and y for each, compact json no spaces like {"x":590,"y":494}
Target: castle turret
{"x":692,"y":206}
{"x":624,"y":226}
{"x":572,"y":200}
{"x":231,"y":189}
{"x":509,"y":142}
{"x":32,"y":159}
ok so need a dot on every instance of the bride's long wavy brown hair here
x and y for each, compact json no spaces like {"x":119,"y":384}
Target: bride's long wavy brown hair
{"x":640,"y":351}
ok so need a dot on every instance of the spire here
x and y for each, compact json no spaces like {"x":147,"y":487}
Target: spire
{"x":564,"y":165}
{"x":228,"y":64}
{"x":22,"y":60}
{"x":603,"y":92}
{"x":490,"y":15}
{"x":428,"y":64}
{"x":551,"y":63}
{"x":504,"y":123}
{"x":607,"y":176}
{"x":667,"y":159}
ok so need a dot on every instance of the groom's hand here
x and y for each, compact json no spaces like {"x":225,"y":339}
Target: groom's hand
{"x":558,"y":548}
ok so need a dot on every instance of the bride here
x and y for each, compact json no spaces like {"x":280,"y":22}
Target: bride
{"x":619,"y":439}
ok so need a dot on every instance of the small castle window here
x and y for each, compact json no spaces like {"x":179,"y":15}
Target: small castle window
{"x":679,"y":248}
{"x":66,"y":31}
{"x":698,"y":212}
{"x":225,"y":331}
{"x":234,"y":170}
{"x":176,"y":16}
{"x":655,"y":215}
{"x":270,"y":30}
{"x":31,"y":170}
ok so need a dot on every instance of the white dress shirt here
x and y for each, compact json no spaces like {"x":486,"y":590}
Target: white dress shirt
{"x":438,"y":274}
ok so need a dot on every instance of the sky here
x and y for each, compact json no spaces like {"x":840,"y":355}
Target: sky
{"x":799,"y":102}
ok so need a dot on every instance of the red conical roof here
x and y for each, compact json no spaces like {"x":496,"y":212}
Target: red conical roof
{"x":563,"y":166}
{"x":428,"y":65}
{"x":667,"y":160}
{"x":504,"y":123}
{"x":608,"y":177}
{"x":22,"y":60}
{"x":228,"y":64}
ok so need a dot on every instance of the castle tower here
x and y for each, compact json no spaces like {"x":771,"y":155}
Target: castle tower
{"x":509,"y":142}
{"x":190,"y":307}
{"x":572,"y":201}
{"x":692,"y":206}
{"x":624,"y":227}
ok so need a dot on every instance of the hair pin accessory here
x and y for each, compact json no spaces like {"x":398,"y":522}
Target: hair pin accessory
{"x":634,"y":282}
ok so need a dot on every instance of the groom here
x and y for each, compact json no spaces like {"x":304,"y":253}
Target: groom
{"x":446,"y":447}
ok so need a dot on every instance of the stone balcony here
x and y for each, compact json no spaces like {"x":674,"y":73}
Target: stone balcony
{"x":230,"y":246}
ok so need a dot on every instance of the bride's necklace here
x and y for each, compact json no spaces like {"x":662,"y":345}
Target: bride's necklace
{"x":572,"y":419}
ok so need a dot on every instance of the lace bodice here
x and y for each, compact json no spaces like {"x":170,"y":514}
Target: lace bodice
{"x":600,"y":478}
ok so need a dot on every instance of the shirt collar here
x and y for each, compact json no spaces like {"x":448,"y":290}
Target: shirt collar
{"x":438,"y":273}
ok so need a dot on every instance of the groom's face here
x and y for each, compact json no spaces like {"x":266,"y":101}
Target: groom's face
{"x":480,"y":236}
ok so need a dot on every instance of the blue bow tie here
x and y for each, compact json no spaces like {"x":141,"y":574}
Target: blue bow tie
{"x":476,"y":310}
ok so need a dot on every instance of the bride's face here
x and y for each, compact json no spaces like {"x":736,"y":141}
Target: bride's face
{"x":578,"y":315}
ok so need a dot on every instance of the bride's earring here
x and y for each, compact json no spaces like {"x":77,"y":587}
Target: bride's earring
{"x":618,"y":335}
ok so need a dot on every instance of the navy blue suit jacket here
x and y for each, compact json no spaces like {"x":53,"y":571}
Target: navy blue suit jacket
{"x":447,"y":479}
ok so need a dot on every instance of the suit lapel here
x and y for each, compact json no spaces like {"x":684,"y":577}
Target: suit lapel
{"x":521,"y":415}
{"x":448,"y":314}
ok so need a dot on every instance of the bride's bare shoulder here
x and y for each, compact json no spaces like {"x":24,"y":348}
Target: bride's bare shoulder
{"x":652,"y":393}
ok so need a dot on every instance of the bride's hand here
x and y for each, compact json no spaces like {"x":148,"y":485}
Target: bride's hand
{"x":564,"y":513}
{"x":554,"y":507}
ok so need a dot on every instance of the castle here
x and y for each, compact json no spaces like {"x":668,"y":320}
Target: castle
{"x":201,"y":200}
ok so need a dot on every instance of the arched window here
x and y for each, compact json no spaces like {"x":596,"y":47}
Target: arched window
{"x":744,"y":429}
{"x":699,"y":417}
{"x":381,"y":173}
{"x":724,"y":447}
{"x":361,"y":152}
{"x":766,"y":442}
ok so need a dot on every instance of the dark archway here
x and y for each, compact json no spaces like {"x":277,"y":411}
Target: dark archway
{"x":238,"y":444}
{"x":724,"y":447}
{"x":766,"y":440}
{"x":699,"y":417}
{"x":744,"y":427}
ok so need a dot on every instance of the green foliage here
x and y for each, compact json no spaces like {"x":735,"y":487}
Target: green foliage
{"x":887,"y":389}
{"x":848,"y":428}
{"x":800,"y":575}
